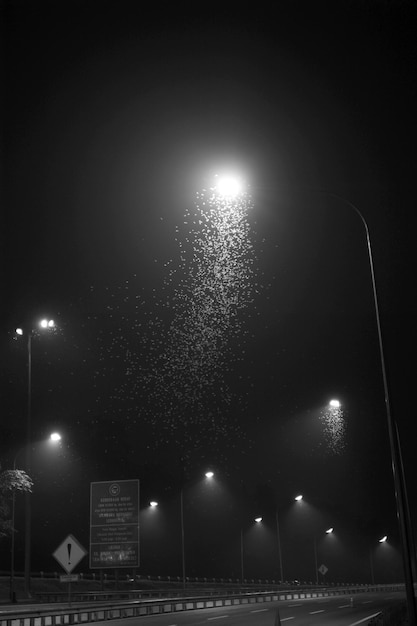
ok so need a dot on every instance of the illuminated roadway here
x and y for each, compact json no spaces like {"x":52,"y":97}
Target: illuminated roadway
{"x":331,"y":611}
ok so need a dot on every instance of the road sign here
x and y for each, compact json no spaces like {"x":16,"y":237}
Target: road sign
{"x":69,"y":553}
{"x":69,"y":578}
{"x":114,"y":524}
{"x":323,"y":569}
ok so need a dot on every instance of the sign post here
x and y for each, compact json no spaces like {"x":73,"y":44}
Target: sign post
{"x":114,"y":524}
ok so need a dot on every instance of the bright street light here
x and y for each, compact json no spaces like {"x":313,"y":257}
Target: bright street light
{"x":47,"y":323}
{"x":55,"y":437}
{"x":334,"y":404}
{"x":298,"y":498}
{"x":329,"y":530}
{"x":229,"y":186}
{"x":258,"y":519}
{"x":153,"y":504}
{"x":209,"y":474}
{"x":383,"y":539}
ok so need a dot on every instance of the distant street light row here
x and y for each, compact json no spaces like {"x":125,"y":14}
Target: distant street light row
{"x":153,"y":504}
{"x":228,"y":186}
{"x":50,"y":324}
{"x":55,"y":437}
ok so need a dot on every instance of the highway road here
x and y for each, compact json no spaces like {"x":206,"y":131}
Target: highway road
{"x":332,"y":611}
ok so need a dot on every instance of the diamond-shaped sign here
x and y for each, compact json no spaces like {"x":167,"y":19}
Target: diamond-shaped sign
{"x":69,"y":553}
{"x":323,"y":569}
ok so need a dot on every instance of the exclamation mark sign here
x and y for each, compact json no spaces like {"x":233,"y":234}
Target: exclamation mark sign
{"x":69,"y":553}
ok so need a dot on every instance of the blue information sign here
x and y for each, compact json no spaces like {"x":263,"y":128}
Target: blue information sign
{"x":114,"y":524}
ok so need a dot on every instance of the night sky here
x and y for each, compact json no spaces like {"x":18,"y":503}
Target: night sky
{"x":194,"y":331}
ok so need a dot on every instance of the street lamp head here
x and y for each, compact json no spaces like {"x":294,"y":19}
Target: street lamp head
{"x":47,"y":323}
{"x":334,"y":404}
{"x":209,"y":474}
{"x":329,"y":530}
{"x":229,"y":186}
{"x":383,"y":539}
{"x":298,"y":498}
{"x":153,"y":504}
{"x":55,"y":437}
{"x":258,"y":519}
{"x":19,"y":331}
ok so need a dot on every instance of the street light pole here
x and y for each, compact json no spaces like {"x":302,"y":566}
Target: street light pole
{"x":46,"y":324}
{"x":209,"y":475}
{"x":54,"y":438}
{"x":241,"y":556}
{"x":371,"y":564}
{"x":403,"y":514}
{"x":12,"y":592}
{"x":279,"y":546}
{"x":182,"y":536}
{"x":28,"y":511}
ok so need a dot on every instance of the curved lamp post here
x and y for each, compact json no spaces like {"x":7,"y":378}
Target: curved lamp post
{"x":403,"y":514}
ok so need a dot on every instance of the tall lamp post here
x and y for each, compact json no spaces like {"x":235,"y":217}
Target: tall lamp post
{"x":279,"y":545}
{"x":371,"y":559}
{"x":403,"y":514}
{"x":281,"y":570}
{"x":257,"y":520}
{"x":54,"y":438}
{"x":208,"y":475}
{"x":44,"y":324}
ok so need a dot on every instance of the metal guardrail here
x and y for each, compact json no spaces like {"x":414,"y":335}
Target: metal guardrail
{"x":61,"y":615}
{"x":143,"y":594}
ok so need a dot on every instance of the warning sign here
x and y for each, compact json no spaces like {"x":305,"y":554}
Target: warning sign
{"x":69,"y":553}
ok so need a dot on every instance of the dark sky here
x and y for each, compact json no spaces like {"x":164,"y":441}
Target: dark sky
{"x":114,"y":118}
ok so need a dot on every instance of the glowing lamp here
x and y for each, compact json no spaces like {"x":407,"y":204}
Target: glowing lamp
{"x":229,"y":186}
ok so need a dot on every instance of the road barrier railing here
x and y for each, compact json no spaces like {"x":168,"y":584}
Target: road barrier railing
{"x":61,"y":615}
